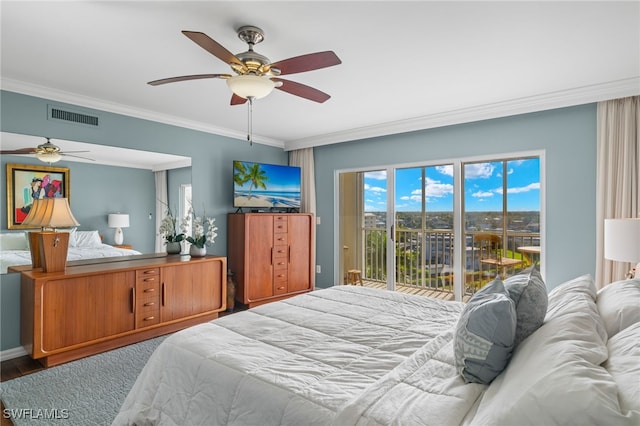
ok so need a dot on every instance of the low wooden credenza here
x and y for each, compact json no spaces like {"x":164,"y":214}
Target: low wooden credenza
{"x":94,"y":307}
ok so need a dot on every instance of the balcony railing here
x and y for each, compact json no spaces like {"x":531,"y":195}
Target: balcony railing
{"x":424,"y":259}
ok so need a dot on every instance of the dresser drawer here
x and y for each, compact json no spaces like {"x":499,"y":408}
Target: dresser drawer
{"x":149,"y":305}
{"x":280,"y":224}
{"x":148,"y":275}
{"x":145,"y":319}
{"x":147,"y":289}
{"x":280,"y":252}
{"x":280,"y":289}
{"x":280,"y":238}
{"x":280,"y":263}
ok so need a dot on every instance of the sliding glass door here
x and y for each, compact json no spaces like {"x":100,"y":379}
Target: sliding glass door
{"x":424,"y":223}
{"x":417,"y":228}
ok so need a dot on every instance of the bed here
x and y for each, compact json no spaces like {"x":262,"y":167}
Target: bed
{"x":14,"y":248}
{"x":349,"y":355}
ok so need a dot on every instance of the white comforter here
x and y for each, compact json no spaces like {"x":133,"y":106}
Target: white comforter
{"x":23,"y":257}
{"x":344,"y":355}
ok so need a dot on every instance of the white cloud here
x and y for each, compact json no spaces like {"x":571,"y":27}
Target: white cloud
{"x":530,"y":187}
{"x":374,"y":189}
{"x":481,"y":194}
{"x":478,"y":170}
{"x":377,"y":175}
{"x":445,"y":170}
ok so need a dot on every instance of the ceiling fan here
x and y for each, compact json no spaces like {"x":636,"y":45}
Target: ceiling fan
{"x":255,"y":75}
{"x":47,"y":152}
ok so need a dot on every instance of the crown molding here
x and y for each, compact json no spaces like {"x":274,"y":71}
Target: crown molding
{"x":560,"y":99}
{"x":99,"y":104}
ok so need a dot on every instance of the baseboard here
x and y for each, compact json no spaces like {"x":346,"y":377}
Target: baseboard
{"x":12,"y":353}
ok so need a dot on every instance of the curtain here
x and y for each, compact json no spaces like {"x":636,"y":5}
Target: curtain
{"x":162,"y":201}
{"x":304,"y":159}
{"x":617,"y":174}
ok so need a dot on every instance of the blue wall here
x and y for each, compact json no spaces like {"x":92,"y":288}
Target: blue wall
{"x":211,"y":175}
{"x":567,"y":135}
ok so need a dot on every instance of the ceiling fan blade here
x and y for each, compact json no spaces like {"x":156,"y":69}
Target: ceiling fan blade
{"x":301,"y":90}
{"x":187,"y":77}
{"x":19,"y":151}
{"x":309,"y":62}
{"x":237,"y":100}
{"x":77,"y":156}
{"x":213,"y":47}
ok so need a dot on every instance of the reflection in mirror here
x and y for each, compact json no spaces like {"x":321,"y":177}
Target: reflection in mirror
{"x":107,"y":180}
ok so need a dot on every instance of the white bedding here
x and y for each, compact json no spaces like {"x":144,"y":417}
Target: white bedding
{"x":300,"y":361}
{"x":357,"y":356}
{"x":23,"y":257}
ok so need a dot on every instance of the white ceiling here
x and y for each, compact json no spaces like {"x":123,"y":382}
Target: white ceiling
{"x":405,"y":65}
{"x":81,"y":152}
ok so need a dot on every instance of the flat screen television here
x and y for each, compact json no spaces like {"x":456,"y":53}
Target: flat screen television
{"x":266,"y":186}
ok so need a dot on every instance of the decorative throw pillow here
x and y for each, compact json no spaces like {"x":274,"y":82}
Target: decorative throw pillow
{"x":485,"y":333}
{"x":529,"y":294}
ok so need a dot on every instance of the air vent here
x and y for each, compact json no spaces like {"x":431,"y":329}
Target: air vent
{"x":56,"y":113}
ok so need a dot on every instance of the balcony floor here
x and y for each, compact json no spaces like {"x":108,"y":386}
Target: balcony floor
{"x":435,"y":294}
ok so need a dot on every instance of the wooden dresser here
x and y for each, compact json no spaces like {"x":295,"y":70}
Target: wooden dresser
{"x":270,"y":255}
{"x":93,"y":307}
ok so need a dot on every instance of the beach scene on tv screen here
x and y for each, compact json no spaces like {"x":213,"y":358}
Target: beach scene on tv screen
{"x":260,"y":185}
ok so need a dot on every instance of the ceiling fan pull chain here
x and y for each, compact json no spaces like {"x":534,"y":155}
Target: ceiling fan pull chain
{"x":250,"y":121}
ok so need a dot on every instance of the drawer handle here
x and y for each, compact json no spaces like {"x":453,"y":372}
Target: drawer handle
{"x":149,"y":304}
{"x":149,"y":279}
{"x":280,"y":288}
{"x":149,"y":290}
{"x":149,"y":318}
{"x":280,"y":276}
{"x":280,"y":263}
{"x":150,"y":271}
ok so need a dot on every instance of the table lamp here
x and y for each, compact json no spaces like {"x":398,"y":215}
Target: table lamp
{"x":118,"y":221}
{"x":49,"y":248}
{"x":622,"y":242}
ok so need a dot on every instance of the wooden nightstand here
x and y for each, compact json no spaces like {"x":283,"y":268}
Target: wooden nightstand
{"x":123,"y":246}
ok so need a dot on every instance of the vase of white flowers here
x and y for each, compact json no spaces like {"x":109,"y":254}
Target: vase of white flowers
{"x":204,"y":233}
{"x":168,"y":229}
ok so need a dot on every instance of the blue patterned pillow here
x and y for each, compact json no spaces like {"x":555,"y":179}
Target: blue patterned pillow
{"x":485,"y":333}
{"x":529,"y":294}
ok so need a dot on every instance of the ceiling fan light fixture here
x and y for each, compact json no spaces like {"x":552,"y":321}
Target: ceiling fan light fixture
{"x":250,"y":86}
{"x":48,"y":157}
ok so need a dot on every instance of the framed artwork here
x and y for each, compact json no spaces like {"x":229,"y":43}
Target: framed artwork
{"x":26,"y":183}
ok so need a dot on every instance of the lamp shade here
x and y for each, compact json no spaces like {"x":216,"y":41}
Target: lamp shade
{"x":622,"y":239}
{"x":50,"y":213}
{"x":253,"y":86}
{"x":118,"y":220}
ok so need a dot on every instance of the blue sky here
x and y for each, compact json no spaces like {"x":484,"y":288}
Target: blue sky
{"x":483,"y":187}
{"x":280,"y":178}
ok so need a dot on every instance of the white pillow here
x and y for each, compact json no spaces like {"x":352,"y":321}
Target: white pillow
{"x":555,"y":375}
{"x":14,"y":241}
{"x":87,"y":239}
{"x":624,"y":365}
{"x":619,"y":305}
